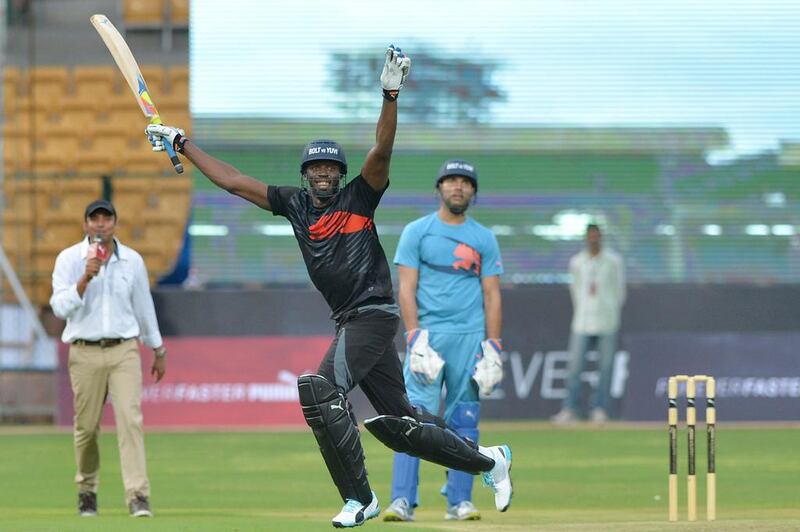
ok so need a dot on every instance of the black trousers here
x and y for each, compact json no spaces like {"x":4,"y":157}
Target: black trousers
{"x":363,"y":354}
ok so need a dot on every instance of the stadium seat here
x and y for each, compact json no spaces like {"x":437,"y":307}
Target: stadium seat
{"x":31,"y":123}
{"x":18,"y":228}
{"x":49,"y":86}
{"x":58,"y":155}
{"x":127,"y":121}
{"x":103,"y":153}
{"x":143,"y":13}
{"x":154,"y":76}
{"x":25,"y":197}
{"x":17,"y":153}
{"x":179,"y":13}
{"x":131,"y":195}
{"x":11,"y":88}
{"x":92,"y":86}
{"x":141,"y":162}
{"x":76,"y":121}
{"x":178,"y":76}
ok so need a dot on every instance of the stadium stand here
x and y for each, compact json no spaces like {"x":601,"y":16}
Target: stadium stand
{"x":143,"y":13}
{"x":66,"y":127}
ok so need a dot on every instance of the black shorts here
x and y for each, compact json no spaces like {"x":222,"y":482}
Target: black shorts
{"x":363,"y":354}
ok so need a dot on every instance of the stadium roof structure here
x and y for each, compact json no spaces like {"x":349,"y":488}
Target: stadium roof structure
{"x":242,"y":131}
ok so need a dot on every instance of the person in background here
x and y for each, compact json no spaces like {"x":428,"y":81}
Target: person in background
{"x":101,"y":288}
{"x":597,"y":290}
{"x":449,"y":268}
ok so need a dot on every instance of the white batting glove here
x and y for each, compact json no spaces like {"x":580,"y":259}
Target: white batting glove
{"x":395,"y":72}
{"x":158,"y":133}
{"x":425,"y":363}
{"x":489,"y":369}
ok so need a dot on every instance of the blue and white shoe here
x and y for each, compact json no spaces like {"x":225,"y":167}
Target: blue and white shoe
{"x":356,"y":514}
{"x":499,"y":478}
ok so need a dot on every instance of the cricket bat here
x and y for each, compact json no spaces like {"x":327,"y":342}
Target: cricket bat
{"x":130,"y":70}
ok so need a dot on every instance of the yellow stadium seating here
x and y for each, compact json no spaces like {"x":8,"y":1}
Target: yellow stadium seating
{"x":104,"y":153}
{"x":92,"y":85}
{"x":76,"y":121}
{"x":69,"y":197}
{"x":179,"y":12}
{"x":58,"y":155}
{"x":154,"y":76}
{"x":143,"y":13}
{"x":11,"y":88}
{"x":17,"y":154}
{"x":49,"y":87}
{"x":18,"y":228}
{"x":179,"y":79}
{"x":31,"y":123}
{"x":84,"y":121}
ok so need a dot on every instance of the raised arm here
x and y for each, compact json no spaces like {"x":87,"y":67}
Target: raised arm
{"x":376,"y":166}
{"x":222,"y":174}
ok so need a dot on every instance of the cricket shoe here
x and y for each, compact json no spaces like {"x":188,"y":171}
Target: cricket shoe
{"x":463,"y":511}
{"x":87,"y":504}
{"x":355,"y":514}
{"x":499,"y":477}
{"x":565,"y":416}
{"x":399,"y":510}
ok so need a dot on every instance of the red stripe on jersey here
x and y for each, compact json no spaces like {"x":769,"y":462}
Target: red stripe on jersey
{"x":339,"y":222}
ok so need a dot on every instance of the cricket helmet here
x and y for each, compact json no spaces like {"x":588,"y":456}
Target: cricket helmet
{"x":323,"y":150}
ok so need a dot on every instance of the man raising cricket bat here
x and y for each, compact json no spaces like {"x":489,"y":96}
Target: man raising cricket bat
{"x":333,"y":224}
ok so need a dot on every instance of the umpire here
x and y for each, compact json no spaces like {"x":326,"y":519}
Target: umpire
{"x":101,"y":288}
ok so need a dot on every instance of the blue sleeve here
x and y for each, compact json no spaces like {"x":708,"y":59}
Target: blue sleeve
{"x":491,"y":261}
{"x":407,"y":253}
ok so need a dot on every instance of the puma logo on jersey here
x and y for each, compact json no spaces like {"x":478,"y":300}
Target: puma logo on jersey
{"x":337,"y":406}
{"x":468,"y":259}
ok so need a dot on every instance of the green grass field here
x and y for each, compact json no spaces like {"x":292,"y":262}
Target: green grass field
{"x":612,"y":478}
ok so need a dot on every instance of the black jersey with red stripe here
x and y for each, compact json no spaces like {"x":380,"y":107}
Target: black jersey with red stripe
{"x":339,"y":243}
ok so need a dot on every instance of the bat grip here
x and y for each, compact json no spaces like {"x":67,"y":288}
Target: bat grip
{"x":173,"y":157}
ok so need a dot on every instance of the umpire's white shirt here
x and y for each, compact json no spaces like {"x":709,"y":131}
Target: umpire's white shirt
{"x":117,"y":302}
{"x":598,"y":292}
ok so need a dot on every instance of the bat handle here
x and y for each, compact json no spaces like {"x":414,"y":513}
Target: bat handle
{"x":173,"y":157}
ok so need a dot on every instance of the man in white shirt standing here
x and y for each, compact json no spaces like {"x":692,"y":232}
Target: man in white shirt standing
{"x":101,"y":288}
{"x":597,"y":290}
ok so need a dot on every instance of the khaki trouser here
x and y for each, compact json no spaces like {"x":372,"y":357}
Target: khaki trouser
{"x":95,"y":372}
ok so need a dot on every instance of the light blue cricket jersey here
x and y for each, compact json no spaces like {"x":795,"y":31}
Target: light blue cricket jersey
{"x":451,"y":260}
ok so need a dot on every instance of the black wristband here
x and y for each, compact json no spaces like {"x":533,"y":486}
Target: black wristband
{"x":179,"y":142}
{"x":390,"y":95}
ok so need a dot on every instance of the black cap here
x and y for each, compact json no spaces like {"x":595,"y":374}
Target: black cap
{"x":97,"y":205}
{"x":458,"y":167}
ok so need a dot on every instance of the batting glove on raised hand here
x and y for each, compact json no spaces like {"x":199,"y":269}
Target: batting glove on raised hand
{"x":489,"y":369}
{"x":425,"y":363}
{"x":395,"y":72}
{"x":158,"y":133}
